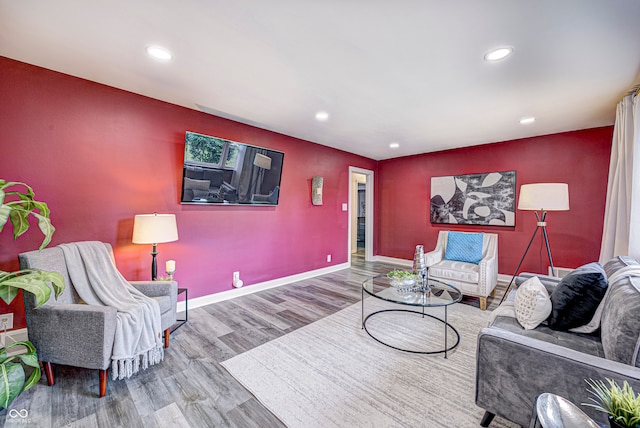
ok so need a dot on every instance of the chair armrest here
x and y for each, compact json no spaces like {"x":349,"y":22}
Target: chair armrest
{"x":512,"y":370}
{"x":73,"y":334}
{"x":433,"y":257}
{"x":156,"y":288}
{"x":488,"y":275}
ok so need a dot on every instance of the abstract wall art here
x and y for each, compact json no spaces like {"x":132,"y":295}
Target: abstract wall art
{"x":487,"y":199}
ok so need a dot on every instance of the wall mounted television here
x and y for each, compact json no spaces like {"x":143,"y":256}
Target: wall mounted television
{"x":219,"y":171}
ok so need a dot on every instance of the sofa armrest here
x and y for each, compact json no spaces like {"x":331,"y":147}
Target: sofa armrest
{"x":512,"y":370}
{"x":73,"y":334}
{"x":549,"y":282}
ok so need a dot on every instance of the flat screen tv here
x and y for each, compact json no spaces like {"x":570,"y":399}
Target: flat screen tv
{"x":219,"y":171}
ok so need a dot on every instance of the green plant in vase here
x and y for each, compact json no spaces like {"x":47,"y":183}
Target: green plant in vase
{"x":17,"y":205}
{"x":619,"y":402}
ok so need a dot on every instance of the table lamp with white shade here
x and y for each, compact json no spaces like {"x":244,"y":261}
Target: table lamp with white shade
{"x":541,"y":198}
{"x":154,"y":229}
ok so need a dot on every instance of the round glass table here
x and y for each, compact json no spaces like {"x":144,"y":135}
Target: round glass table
{"x":427,"y":293}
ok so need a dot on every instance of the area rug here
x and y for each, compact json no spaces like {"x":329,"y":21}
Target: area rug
{"x":332,"y":374}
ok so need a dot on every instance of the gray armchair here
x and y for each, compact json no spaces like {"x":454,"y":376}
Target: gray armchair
{"x":67,"y":331}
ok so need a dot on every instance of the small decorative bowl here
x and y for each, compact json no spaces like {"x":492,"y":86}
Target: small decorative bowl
{"x":403,"y":285}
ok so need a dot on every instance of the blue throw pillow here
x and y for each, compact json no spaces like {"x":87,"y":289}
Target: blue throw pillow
{"x":464,"y":247}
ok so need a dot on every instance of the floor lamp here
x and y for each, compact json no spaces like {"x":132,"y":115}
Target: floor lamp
{"x":154,"y":229}
{"x":540,"y":198}
{"x":263,"y":163}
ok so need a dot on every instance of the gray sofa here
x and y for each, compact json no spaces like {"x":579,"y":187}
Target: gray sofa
{"x":69,"y":332}
{"x":515,"y":365}
{"x":206,"y":184}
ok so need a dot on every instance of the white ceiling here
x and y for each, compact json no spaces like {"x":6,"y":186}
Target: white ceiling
{"x":387,"y":71}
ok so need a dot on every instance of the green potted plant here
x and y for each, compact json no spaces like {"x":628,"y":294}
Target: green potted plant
{"x":16,"y":206}
{"x":620,"y":403}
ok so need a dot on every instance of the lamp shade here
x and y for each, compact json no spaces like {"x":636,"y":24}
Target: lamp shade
{"x":154,"y":228}
{"x":262,"y":161}
{"x":544,"y":196}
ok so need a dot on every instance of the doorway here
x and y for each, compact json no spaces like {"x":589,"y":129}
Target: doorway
{"x":360,"y":213}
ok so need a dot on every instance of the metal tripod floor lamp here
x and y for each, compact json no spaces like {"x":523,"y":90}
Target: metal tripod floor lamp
{"x":540,"y":198}
{"x":154,"y":229}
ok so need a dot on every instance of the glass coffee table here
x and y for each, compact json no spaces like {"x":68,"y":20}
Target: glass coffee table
{"x":425,"y":294}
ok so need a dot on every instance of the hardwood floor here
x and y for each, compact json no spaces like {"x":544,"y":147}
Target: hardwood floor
{"x":190,"y":388}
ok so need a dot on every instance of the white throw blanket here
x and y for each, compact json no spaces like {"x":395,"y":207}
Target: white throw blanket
{"x":138,"y":331}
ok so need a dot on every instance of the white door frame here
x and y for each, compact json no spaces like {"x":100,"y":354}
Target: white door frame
{"x":368,"y":215}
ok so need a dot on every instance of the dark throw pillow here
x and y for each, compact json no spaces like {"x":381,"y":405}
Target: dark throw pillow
{"x":577,"y":296}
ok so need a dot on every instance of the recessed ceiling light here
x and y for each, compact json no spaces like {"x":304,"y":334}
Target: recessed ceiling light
{"x":498,"y":54}
{"x":322,"y":116}
{"x":160,"y":53}
{"x":394,"y":145}
{"x":527,"y":120}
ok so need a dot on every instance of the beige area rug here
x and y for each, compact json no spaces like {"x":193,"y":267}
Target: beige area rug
{"x":332,"y":374}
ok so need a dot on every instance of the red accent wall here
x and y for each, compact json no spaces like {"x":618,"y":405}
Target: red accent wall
{"x":99,"y":155}
{"x":579,"y":158}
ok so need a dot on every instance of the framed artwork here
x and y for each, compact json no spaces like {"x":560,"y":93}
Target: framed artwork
{"x":478,"y":199}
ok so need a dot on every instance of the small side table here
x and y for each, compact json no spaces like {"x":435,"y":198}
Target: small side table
{"x":180,"y":322}
{"x":553,"y":411}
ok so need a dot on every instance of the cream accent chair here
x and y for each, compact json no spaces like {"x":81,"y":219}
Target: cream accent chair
{"x":478,"y":280}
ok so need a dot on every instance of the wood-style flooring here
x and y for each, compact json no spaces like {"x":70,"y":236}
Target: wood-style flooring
{"x":190,"y":388}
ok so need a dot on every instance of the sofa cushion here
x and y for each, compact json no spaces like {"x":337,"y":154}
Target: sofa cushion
{"x":586,"y":343}
{"x":577,"y":296}
{"x":458,"y":271}
{"x":464,"y":247}
{"x":620,"y":326}
{"x":532,"y":303}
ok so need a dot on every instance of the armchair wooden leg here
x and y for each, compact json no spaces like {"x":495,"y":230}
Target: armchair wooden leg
{"x":166,"y":337}
{"x":493,"y":293}
{"x":486,"y":419}
{"x":104,"y":380}
{"x":48,"y":372}
{"x":483,"y":303}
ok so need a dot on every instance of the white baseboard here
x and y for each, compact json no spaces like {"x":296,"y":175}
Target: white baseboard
{"x":237,"y":292}
{"x":393,"y":260}
{"x":13,"y":336}
{"x":504,"y":278}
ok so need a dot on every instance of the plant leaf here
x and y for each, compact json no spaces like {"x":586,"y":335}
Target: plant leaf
{"x":34,"y":377}
{"x":31,"y":282}
{"x":46,"y":227}
{"x":5,"y":211}
{"x":11,"y":382}
{"x":20,"y":221}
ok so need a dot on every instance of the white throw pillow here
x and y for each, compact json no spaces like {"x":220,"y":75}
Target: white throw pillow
{"x":532,"y":303}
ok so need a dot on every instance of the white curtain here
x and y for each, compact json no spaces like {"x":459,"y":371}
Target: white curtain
{"x":621,"y":232}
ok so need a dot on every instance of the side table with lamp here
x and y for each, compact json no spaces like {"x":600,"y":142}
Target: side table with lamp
{"x":170,"y":268}
{"x":156,"y":229}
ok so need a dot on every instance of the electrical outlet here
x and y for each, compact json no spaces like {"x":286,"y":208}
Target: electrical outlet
{"x":236,"y":276}
{"x":328,"y":258}
{"x":6,"y":321}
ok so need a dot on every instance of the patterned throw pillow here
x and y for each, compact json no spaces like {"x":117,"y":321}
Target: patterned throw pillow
{"x":464,"y":247}
{"x":532,"y":303}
